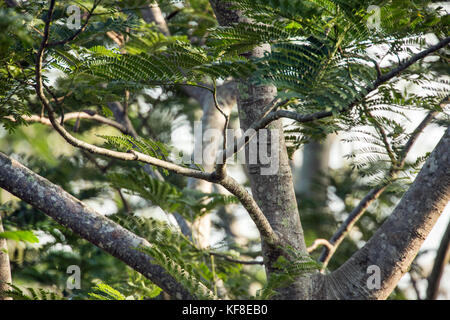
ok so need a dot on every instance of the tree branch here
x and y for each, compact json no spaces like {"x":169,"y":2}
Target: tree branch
{"x":86,"y":114}
{"x":302,"y":118}
{"x":221,"y":167}
{"x":211,"y":119}
{"x":87,"y":223}
{"x":131,"y":156}
{"x":230,"y":184}
{"x":395,"y":244}
{"x":318,"y":243}
{"x":374,"y":194}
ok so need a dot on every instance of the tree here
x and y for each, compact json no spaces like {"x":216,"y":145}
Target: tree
{"x":305,"y":61}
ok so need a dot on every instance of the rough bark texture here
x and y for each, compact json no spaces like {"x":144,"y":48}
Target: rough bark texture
{"x":274,"y":193}
{"x":5,"y":267}
{"x":395,"y":244}
{"x":84,"y":221}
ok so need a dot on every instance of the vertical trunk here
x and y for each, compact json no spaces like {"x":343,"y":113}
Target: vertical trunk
{"x":5,"y":269}
{"x":273,"y":193}
{"x":152,"y":13}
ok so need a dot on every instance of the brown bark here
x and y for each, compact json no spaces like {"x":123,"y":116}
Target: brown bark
{"x":373,"y":194}
{"x":274,"y":193}
{"x":153,"y":14}
{"x":392,"y":248}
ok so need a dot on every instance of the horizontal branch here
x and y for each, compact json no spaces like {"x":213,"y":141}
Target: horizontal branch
{"x":87,"y":223}
{"x":230,"y":184}
{"x":86,"y":115}
{"x":440,"y":262}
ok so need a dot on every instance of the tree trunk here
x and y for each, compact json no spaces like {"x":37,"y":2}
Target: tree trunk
{"x":5,"y":267}
{"x":90,"y":225}
{"x":311,"y":179}
{"x":274,"y":193}
{"x":394,"y":246}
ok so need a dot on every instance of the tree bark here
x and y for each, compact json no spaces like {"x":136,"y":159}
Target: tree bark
{"x":152,"y":13}
{"x":5,"y":267}
{"x":391,"y":249}
{"x":87,"y":223}
{"x":395,"y":244}
{"x":274,"y":193}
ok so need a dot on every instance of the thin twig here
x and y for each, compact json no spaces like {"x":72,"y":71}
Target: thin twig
{"x":229,"y":183}
{"x":79,"y":31}
{"x":318,"y":243}
{"x":373,"y":194}
{"x":221,"y":165}
{"x":251,"y":131}
{"x":383,"y":135}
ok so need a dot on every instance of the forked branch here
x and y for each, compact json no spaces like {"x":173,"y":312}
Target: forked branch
{"x":374,"y":194}
{"x":230,"y":184}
